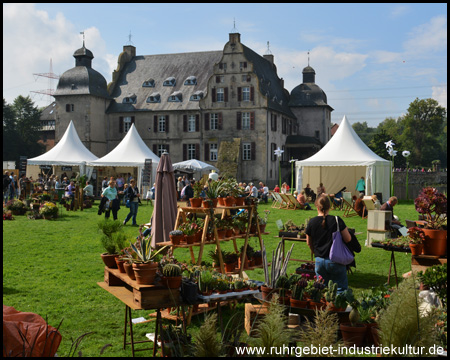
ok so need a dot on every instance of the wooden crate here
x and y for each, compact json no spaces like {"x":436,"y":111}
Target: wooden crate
{"x":252,"y":312}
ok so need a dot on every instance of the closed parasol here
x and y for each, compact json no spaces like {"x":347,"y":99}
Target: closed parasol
{"x":165,"y":208}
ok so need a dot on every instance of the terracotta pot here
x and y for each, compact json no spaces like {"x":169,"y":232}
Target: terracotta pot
{"x":230,"y":267}
{"x":196,"y":202}
{"x":198,"y":236}
{"x":214,"y":202}
{"x":176,"y":239}
{"x":206,"y":204}
{"x":120,"y":265}
{"x":252,"y":229}
{"x":302,"y":304}
{"x":245,"y":262}
{"x":353,"y":335}
{"x":267,"y":292}
{"x":221,"y":233}
{"x":334,"y":308}
{"x":239,"y":201}
{"x":229,"y":233}
{"x":258,"y":261}
{"x":109,"y":260}
{"x":190,"y":239}
{"x":370,"y":340}
{"x":194,"y":308}
{"x":416,"y":249}
{"x":221,"y":201}
{"x":145,"y":273}
{"x":229,"y":201}
{"x":262,"y":228}
{"x":251,"y":262}
{"x":317,"y":305}
{"x":129,"y":270}
{"x":435,"y":242}
{"x":285,"y":300}
{"x":236,"y":231}
{"x":172,"y":282}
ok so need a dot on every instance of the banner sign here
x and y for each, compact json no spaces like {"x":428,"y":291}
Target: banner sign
{"x":147,"y":173}
{"x":66,"y":168}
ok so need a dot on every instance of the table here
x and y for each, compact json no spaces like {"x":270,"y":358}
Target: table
{"x":392,"y":261}
{"x":139,"y":297}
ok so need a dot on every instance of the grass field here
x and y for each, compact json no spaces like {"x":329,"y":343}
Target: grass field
{"x":52,"y":268}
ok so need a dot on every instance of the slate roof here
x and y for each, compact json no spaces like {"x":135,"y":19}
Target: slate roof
{"x":301,"y":139}
{"x":85,"y":80}
{"x":160,"y":68}
{"x":269,"y":83}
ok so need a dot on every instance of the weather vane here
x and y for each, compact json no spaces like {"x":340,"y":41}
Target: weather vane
{"x":268,"y":52}
{"x":129,"y":39}
{"x":308,"y":57}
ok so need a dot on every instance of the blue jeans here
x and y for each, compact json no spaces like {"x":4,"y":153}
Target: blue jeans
{"x":332,"y":271}
{"x":133,"y":212}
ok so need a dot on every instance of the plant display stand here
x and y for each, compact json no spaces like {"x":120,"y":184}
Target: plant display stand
{"x":209,"y":213}
{"x":138,"y":297}
{"x":423,"y":262}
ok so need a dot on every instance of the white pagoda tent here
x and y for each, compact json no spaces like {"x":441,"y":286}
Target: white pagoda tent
{"x":342,"y":162}
{"x":130,"y":152}
{"x":69,"y":151}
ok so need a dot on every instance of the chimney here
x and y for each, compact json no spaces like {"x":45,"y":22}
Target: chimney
{"x":269,"y":58}
{"x":282,"y":83}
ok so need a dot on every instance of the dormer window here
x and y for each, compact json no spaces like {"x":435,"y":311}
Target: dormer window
{"x":170,"y":81}
{"x":149,"y":83}
{"x":176,"y":97}
{"x":191,"y":80}
{"x":154,"y":98}
{"x":197,"y":96}
{"x":130,"y":99}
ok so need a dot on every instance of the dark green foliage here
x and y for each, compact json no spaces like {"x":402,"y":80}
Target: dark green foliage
{"x":435,"y":278}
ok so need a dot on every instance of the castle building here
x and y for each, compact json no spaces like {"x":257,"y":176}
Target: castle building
{"x":228,"y":108}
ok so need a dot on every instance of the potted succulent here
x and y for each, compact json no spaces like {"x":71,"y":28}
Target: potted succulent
{"x":222,"y":286}
{"x":176,"y":236}
{"x":196,"y":201}
{"x":353,"y":333}
{"x":283,"y":286}
{"x":206,"y":282}
{"x":433,"y":206}
{"x":230,"y":260}
{"x":143,"y":265}
{"x":171,"y":276}
{"x":189,"y":232}
{"x":416,"y":237}
{"x":297,"y":292}
{"x":316,"y":290}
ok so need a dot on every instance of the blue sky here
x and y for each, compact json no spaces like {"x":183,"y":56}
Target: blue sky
{"x":372,"y":60}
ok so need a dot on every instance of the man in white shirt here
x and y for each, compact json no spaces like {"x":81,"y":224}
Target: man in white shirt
{"x":88,"y":191}
{"x":263,"y":191}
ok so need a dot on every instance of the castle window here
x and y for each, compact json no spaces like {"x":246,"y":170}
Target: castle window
{"x":149,"y":83}
{"x":245,"y":121}
{"x":246,"y":93}
{"x":154,"y":98}
{"x":191,"y":80}
{"x":127,"y":123}
{"x":69,"y":108}
{"x":246,"y":78}
{"x":198,"y":95}
{"x":177,"y":96}
{"x":220,"y":79}
{"x":223,"y":66}
{"x":213,"y":150}
{"x":246,"y":151}
{"x":243,"y":65}
{"x":214,"y":122}
{"x":317,"y":134}
{"x":220,"y":95}
{"x":162,"y":123}
{"x":192,"y":153}
{"x":161,"y":149}
{"x":191,"y":123}
{"x":130,"y":99}
{"x":170,"y":81}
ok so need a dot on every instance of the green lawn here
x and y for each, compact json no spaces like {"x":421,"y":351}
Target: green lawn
{"x":52,"y":268}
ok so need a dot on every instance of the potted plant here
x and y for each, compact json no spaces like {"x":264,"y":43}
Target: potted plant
{"x":214,"y":255}
{"x":316,"y":291}
{"x":48,"y":210}
{"x":257,"y":257}
{"x":416,"y":237}
{"x":17,"y":207}
{"x":196,"y":201}
{"x":109,"y":239}
{"x":297,"y":290}
{"x":171,"y":276}
{"x":143,"y":265}
{"x":433,"y":206}
{"x":189,"y":232}
{"x":283,"y":286}
{"x":213,"y":191}
{"x":222,"y":286}
{"x":230,"y":260}
{"x":248,"y":255}
{"x":353,"y":333}
{"x":435,"y":278}
{"x":205,"y":282}
{"x":176,"y":236}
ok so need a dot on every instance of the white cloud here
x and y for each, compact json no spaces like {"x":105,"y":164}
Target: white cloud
{"x":383,"y":57}
{"x":440,"y":95}
{"x":399,"y":11}
{"x":31,"y":38}
{"x":428,"y":37}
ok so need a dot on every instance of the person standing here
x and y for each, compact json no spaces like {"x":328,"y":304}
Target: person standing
{"x":361,"y":186}
{"x":104,"y":183}
{"x":132,"y":194}
{"x":109,"y":201}
{"x":319,"y":237}
{"x":12,"y":186}
{"x":321,"y":190}
{"x":180,"y":187}
{"x":6,"y":182}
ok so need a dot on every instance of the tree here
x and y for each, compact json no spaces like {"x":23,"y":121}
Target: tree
{"x":21,"y":129}
{"x":364,"y":132}
{"x":423,"y":126}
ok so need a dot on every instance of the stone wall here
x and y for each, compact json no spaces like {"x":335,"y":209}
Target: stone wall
{"x":417,"y":181}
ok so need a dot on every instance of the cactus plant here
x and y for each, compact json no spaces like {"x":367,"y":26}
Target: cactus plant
{"x":239,"y":284}
{"x":331,"y":293}
{"x":171,"y":270}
